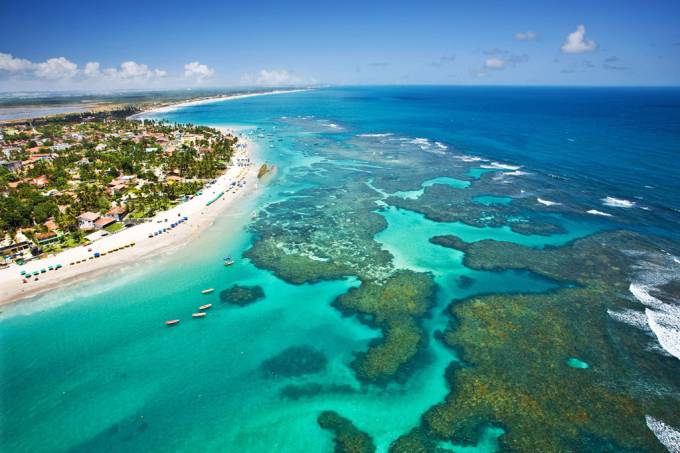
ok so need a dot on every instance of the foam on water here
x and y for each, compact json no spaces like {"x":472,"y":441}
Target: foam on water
{"x":500,"y":166}
{"x":547,"y":202}
{"x":386,"y":134}
{"x":663,"y":316}
{"x":667,"y":435}
{"x":600,"y":213}
{"x":618,"y":202}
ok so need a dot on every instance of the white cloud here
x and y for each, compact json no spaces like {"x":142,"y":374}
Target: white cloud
{"x":526,"y":36}
{"x":92,"y":69}
{"x":10,"y":64}
{"x":198,"y":71}
{"x":60,"y":69}
{"x":577,"y":43}
{"x":56,"y":68}
{"x":494,"y":63}
{"x":271,"y":78}
{"x":134,"y":70}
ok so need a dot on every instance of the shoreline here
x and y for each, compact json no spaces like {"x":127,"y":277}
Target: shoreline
{"x":210,"y":100}
{"x":201,"y":216}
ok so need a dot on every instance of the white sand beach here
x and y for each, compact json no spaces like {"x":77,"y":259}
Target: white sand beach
{"x":133,"y":244}
{"x":210,"y":100}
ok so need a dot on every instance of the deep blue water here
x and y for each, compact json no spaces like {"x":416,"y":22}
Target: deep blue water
{"x":611,"y":142}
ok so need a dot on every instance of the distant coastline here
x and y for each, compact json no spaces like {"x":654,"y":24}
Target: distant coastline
{"x":208,"y":100}
{"x":31,"y":109}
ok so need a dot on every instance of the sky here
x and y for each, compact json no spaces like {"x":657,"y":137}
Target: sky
{"x":67,"y":45}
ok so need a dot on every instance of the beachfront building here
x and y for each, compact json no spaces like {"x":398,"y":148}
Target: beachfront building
{"x":117,"y":213}
{"x":103,"y":222}
{"x":47,"y":238}
{"x":86,"y":220}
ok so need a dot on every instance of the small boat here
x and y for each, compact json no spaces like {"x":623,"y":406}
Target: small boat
{"x":207,"y":291}
{"x":198,"y":315}
{"x":205,"y":307}
{"x":172,"y":322}
{"x":228,"y":262}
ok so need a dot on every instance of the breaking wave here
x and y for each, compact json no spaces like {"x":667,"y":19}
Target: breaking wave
{"x":499,"y":166}
{"x":667,"y":435}
{"x":596,"y":212}
{"x":617,"y":202}
{"x":547,"y":202}
{"x":466,"y":158}
{"x":663,"y":316}
{"x":387,"y":134}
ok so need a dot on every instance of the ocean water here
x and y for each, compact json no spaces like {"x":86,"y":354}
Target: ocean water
{"x":92,"y":367}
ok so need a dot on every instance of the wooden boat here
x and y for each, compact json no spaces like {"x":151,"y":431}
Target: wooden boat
{"x":207,"y":291}
{"x":198,"y":315}
{"x":205,"y":307}
{"x":172,"y":322}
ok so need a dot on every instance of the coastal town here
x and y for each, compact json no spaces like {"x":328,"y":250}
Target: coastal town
{"x":72,"y":180}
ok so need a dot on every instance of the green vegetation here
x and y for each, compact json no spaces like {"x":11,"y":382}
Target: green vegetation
{"x":59,"y":168}
{"x":346,"y":437}
{"x":242,"y":295}
{"x":114,"y":228}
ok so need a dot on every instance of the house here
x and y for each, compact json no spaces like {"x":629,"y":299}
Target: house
{"x":47,"y":238}
{"x":40,"y":181}
{"x":14,"y":165}
{"x":103,"y":222}
{"x":116,"y":188}
{"x":60,"y":147}
{"x":51,"y":225}
{"x":117,"y":213}
{"x":86,"y":220}
{"x":10,"y":150}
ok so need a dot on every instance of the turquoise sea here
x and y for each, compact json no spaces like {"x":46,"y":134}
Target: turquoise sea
{"x":91,"y":367}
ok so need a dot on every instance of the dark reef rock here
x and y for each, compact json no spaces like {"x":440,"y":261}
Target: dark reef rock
{"x":242,"y":295}
{"x":516,"y":346}
{"x":346,"y":437}
{"x":295,"y":361}
{"x":395,"y":306}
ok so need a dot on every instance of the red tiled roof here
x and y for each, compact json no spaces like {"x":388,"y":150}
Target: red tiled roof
{"x":104,"y":221}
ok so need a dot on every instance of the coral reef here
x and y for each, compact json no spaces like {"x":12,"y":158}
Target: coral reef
{"x":515,"y":350}
{"x":242,"y":295}
{"x":346,"y":437}
{"x":395,"y":306}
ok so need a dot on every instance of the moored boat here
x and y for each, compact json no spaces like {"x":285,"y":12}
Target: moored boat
{"x":172,"y":322}
{"x":205,"y":307}
{"x":207,"y":291}
{"x":198,"y":315}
